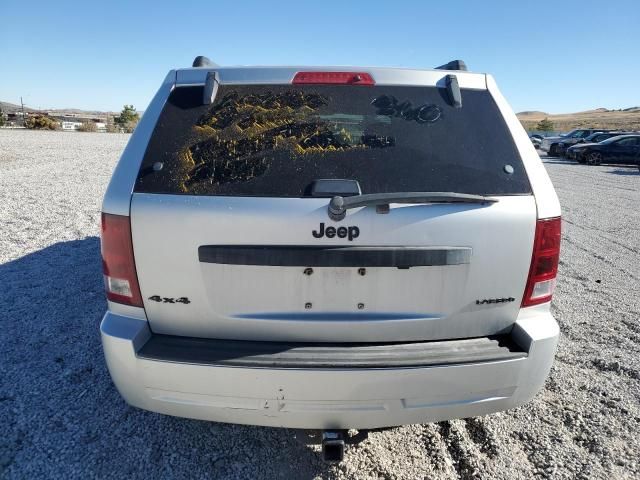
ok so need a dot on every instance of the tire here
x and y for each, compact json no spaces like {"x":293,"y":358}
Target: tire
{"x":594,"y":158}
{"x":553,"y":151}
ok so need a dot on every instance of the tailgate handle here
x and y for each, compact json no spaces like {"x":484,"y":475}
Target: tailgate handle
{"x":333,"y":256}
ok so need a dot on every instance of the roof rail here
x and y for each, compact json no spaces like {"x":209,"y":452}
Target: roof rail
{"x":202,"y":61}
{"x":453,"y":65}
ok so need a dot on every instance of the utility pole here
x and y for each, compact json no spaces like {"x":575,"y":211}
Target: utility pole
{"x":23,"y":118}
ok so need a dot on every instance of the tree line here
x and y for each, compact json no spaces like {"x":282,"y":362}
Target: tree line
{"x":125,"y":122}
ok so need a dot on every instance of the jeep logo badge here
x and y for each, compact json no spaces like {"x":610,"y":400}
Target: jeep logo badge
{"x":340,"y":232}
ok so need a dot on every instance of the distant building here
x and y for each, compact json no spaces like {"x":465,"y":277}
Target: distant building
{"x":74,"y":122}
{"x":66,"y":125}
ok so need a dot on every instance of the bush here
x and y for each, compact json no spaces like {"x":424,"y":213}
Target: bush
{"x":128,"y":118}
{"x":545,"y":125}
{"x":41,"y":122}
{"x":88,"y":127}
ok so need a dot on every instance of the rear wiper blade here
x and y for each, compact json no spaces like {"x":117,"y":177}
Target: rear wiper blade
{"x":338,"y":206}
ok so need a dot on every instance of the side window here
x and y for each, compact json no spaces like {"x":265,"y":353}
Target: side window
{"x":627,"y":142}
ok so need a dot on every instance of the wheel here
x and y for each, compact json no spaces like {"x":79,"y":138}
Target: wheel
{"x":594,"y":158}
{"x":553,"y":151}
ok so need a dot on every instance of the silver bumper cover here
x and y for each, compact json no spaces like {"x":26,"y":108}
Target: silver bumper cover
{"x":326,"y":398}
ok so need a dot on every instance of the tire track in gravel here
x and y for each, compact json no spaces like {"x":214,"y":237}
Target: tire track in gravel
{"x":470,"y":445}
{"x":599,"y":257}
{"x":482,"y":436}
{"x":461,"y":450}
{"x":592,"y":228}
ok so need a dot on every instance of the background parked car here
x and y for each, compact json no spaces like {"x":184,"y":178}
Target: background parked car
{"x":551,"y":145}
{"x":620,"y":149}
{"x":536,"y":140}
{"x":597,"y":137}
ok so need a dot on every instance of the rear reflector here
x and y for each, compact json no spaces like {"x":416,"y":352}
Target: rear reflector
{"x":544,"y":262}
{"x":333,"y":78}
{"x":121,"y":281}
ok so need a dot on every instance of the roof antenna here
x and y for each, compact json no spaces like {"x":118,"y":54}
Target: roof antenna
{"x":454,"y":65}
{"x":202,"y":61}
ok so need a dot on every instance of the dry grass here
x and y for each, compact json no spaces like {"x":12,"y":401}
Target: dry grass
{"x":600,"y":118}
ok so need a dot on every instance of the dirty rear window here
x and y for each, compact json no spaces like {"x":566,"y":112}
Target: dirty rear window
{"x":275,"y":140}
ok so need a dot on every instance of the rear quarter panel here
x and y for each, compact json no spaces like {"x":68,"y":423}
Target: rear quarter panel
{"x":547,"y":202}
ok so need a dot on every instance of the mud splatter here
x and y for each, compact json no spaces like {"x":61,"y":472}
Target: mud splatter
{"x":240,"y":134}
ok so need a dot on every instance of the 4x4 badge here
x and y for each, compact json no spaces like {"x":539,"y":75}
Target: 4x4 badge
{"x":341,"y":232}
{"x":158,"y":298}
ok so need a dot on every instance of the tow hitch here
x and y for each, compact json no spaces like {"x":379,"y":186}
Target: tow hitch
{"x":332,"y":446}
{"x":332,"y":441}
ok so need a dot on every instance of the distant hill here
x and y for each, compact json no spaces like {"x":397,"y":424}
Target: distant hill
{"x":625,"y":119}
{"x":12,"y":108}
{"x":532,"y":113}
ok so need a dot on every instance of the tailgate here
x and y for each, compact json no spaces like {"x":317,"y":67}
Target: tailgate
{"x":467,"y":281}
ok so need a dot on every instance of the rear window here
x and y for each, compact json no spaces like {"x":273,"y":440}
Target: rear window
{"x":275,"y":140}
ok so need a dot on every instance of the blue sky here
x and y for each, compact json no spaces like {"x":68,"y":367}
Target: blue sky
{"x":552,"y":56}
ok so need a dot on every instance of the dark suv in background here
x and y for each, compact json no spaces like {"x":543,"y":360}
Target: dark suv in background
{"x":555,"y":146}
{"x":551,"y":145}
{"x":618,"y":149}
{"x":597,"y":137}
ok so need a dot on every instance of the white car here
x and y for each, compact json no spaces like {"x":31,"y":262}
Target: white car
{"x":329,"y":248}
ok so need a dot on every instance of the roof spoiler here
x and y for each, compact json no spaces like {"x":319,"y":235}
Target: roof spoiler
{"x":202,"y":61}
{"x":453,"y":65}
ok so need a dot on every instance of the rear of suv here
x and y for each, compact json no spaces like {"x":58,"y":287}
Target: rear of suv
{"x":329,"y":248}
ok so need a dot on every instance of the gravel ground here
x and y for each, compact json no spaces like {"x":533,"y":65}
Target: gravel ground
{"x":61,"y":417}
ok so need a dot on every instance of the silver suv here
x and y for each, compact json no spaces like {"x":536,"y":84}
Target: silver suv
{"x":329,"y":248}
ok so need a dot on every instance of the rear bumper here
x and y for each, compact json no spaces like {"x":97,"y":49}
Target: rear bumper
{"x":324,"y":398}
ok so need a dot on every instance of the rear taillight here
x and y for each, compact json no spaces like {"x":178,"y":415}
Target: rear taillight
{"x":118,"y":265}
{"x":544,"y":262}
{"x":333,"y":78}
